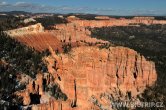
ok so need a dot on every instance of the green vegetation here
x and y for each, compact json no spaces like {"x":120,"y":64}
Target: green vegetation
{"x":10,"y":22}
{"x":20,"y":57}
{"x":66,"y":48}
{"x":49,"y":21}
{"x":15,"y":59}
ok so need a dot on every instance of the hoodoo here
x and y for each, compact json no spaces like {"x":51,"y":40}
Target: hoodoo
{"x":88,"y":73}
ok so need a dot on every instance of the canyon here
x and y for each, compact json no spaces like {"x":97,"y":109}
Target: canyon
{"x":87,"y":77}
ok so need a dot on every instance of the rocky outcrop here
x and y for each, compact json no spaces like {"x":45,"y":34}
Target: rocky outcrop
{"x":86,"y":73}
{"x":28,"y":20}
{"x":37,"y":92}
{"x":72,"y":32}
{"x":25,"y":30}
{"x":88,"y":76}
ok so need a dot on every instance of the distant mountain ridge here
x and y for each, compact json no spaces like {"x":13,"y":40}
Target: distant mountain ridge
{"x":79,"y":14}
{"x":16,"y":12}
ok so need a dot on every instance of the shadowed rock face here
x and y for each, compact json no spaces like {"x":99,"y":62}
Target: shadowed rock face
{"x":89,"y":71}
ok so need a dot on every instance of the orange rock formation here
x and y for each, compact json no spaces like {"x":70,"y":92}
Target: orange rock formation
{"x":116,"y":71}
{"x":87,"y":74}
{"x":116,"y":22}
{"x":72,"y":32}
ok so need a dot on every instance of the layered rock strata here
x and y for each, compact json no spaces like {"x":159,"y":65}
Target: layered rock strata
{"x":41,"y":41}
{"x":87,"y":74}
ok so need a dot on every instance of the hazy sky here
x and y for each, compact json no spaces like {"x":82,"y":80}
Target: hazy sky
{"x":108,"y":7}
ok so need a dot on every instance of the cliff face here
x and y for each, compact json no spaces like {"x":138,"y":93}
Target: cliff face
{"x":117,"y":22}
{"x":41,"y":41}
{"x":72,"y":32}
{"x":88,"y":73}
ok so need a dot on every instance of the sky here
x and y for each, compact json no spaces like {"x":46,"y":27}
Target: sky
{"x":101,"y":7}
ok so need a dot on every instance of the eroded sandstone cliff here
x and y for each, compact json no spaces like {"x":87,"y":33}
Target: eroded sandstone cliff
{"x":40,"y":41}
{"x":87,"y":77}
{"x":87,"y":74}
{"x":117,"y":22}
{"x":72,"y":32}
